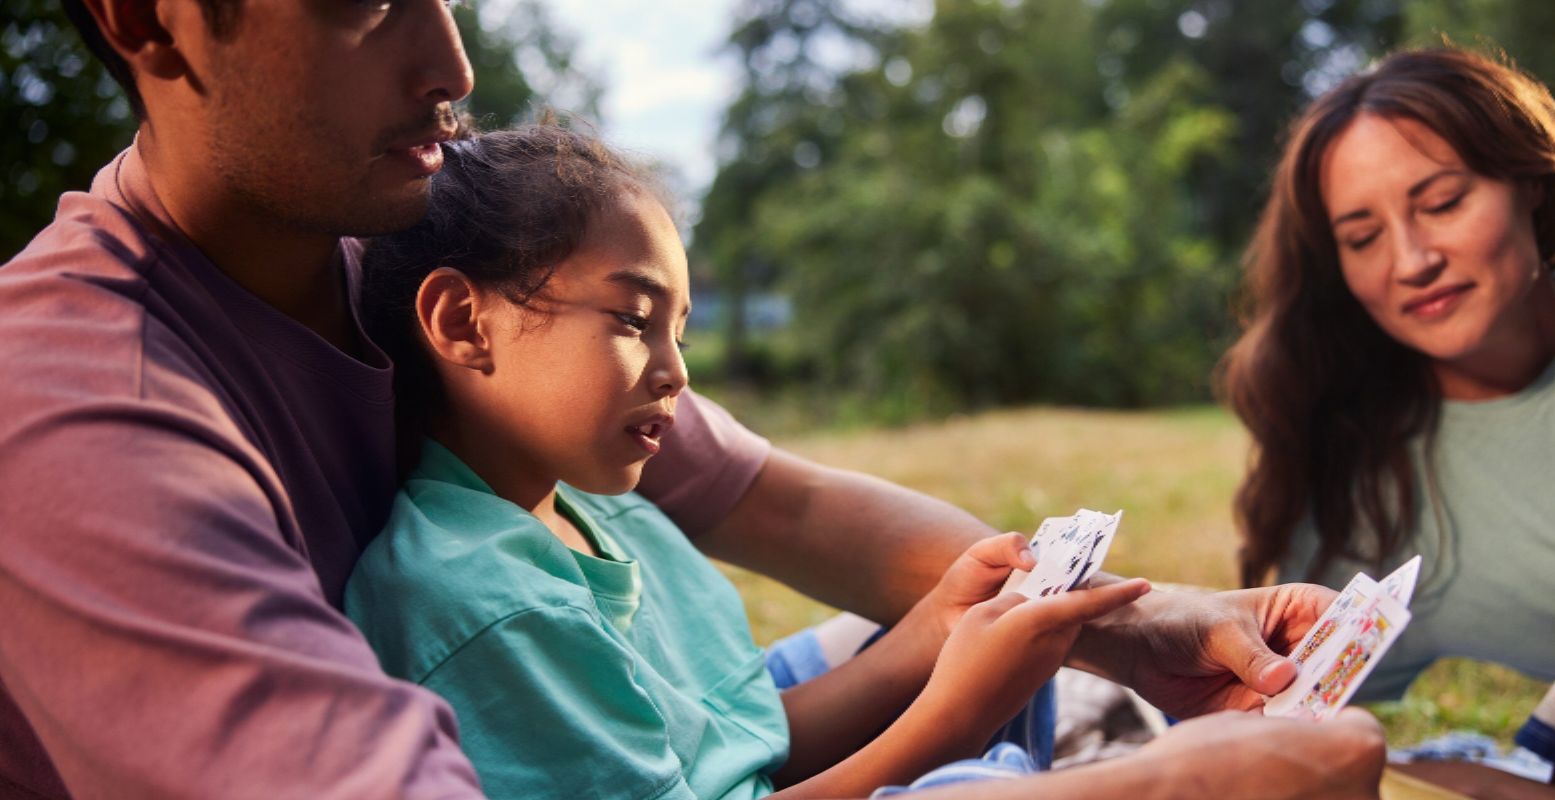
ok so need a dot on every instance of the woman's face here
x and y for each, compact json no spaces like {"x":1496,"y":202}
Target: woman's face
{"x":1442,"y":258}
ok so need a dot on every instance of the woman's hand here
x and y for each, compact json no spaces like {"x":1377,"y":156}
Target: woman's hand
{"x":1189,"y":653}
{"x":1002,"y":650}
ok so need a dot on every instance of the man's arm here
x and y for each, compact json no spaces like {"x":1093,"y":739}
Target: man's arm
{"x":161,"y":638}
{"x":874,"y":548}
{"x":1230,"y":755}
{"x":855,"y":542}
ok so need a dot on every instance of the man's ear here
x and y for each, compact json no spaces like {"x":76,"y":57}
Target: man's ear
{"x":449,"y":308}
{"x":139,"y":31}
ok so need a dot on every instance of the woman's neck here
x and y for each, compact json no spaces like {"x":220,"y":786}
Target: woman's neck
{"x":1512,"y":364}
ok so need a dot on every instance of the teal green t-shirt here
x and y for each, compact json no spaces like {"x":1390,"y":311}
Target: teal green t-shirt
{"x":631,"y":675}
{"x":1488,"y":543}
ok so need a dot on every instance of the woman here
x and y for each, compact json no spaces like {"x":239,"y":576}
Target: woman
{"x":1395,"y":366}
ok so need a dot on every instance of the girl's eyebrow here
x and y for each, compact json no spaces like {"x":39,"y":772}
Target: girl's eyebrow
{"x":644,"y":282}
{"x":641,"y":281}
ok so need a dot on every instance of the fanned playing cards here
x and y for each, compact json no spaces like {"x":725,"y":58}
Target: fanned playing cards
{"x":1346,"y":643}
{"x":1069,"y":550}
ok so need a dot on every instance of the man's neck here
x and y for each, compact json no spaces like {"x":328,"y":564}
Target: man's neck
{"x":296,"y":272}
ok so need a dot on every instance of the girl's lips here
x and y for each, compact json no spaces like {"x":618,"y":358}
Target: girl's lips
{"x":1438,"y":303}
{"x":648,"y":433}
{"x":645,"y":441}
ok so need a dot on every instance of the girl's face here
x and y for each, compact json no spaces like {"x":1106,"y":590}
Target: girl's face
{"x":1442,"y":258}
{"x":583,"y":386}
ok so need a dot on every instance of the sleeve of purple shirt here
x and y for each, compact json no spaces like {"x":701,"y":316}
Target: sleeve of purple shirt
{"x":161,"y":635}
{"x":707,"y":463}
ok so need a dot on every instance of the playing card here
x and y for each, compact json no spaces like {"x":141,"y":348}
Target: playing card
{"x":1057,"y":567}
{"x":1106,"y":528}
{"x":1340,"y":650}
{"x":1400,"y":584}
{"x":1069,"y":550}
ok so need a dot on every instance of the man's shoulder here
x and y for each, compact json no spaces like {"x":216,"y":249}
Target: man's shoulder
{"x":91,"y":242}
{"x":85,"y":323}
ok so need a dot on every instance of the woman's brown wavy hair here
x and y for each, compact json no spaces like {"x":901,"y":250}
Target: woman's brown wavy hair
{"x":1331,"y":401}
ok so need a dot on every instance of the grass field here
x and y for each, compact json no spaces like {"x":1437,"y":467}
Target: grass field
{"x":1172,"y":471}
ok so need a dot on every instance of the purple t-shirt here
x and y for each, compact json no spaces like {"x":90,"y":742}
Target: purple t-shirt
{"x":186,"y":479}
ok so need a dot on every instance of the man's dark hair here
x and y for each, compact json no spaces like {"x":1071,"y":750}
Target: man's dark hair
{"x":221,"y":17}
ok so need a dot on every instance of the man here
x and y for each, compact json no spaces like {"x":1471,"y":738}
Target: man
{"x":196,"y":443}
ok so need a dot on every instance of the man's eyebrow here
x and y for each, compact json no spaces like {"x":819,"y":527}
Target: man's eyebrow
{"x":1414,"y":191}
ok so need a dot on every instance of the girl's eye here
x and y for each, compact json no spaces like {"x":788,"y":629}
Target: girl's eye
{"x":683,"y":345}
{"x":636,"y":322}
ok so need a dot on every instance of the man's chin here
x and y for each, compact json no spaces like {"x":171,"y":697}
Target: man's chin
{"x":380,"y":216}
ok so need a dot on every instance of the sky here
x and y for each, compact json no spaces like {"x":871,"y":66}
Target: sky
{"x":665,"y":83}
{"x":667,"y":76}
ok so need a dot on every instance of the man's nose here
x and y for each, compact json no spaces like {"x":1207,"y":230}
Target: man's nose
{"x":444,"y":74}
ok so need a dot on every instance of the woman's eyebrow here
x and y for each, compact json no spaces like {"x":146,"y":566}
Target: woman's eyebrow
{"x":1414,"y":191}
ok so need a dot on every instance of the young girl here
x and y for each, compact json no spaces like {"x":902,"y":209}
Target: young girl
{"x":588,"y":649}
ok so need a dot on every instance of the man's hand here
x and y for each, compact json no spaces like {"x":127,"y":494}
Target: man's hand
{"x":1243,"y":755}
{"x":1191,"y":654}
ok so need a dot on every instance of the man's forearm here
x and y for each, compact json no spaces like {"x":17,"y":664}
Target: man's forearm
{"x":1136,"y":777}
{"x":849,"y":540}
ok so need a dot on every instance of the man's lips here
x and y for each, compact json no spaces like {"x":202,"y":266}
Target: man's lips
{"x":424,"y":152}
{"x":1438,"y":302}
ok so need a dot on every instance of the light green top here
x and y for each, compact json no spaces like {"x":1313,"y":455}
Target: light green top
{"x":1487,"y":583}
{"x":631,"y":675}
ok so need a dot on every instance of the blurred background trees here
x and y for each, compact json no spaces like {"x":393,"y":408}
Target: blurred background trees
{"x":992,"y":203}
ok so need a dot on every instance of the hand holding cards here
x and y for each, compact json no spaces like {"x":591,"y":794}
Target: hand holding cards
{"x":1069,"y":550}
{"x":1346,"y":643}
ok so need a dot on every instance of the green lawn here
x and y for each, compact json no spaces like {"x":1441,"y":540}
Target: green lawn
{"x":1173,"y":472}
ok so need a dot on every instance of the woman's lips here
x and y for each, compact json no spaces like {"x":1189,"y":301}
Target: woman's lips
{"x":1439,"y":303}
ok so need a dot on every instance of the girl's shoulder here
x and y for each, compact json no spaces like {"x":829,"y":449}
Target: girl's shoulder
{"x":449,"y":564}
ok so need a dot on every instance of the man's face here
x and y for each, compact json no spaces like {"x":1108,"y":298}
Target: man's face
{"x":325,"y":114}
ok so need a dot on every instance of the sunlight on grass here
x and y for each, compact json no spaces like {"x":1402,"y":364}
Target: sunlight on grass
{"x":1173,"y":473}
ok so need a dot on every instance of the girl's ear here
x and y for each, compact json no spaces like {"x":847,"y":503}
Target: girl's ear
{"x":449,"y":308}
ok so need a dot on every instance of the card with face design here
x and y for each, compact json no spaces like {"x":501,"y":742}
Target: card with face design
{"x":1340,"y":650}
{"x":1400,"y":584}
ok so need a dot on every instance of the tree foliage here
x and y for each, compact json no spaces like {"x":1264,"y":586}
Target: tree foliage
{"x":1027,"y":200}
